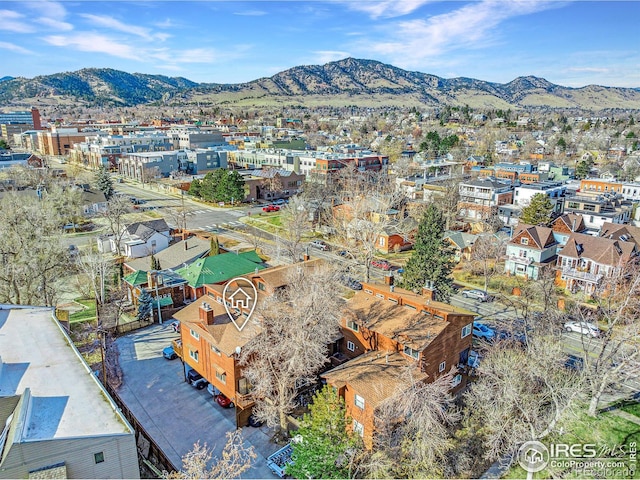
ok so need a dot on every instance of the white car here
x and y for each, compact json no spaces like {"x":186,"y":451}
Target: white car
{"x":585,"y":328}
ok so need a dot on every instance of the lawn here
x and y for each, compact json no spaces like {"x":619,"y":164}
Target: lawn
{"x":607,"y":431}
{"x":632,"y":408}
{"x":86,"y":314}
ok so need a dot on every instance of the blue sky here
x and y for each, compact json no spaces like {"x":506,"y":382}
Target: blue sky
{"x":571,"y":43}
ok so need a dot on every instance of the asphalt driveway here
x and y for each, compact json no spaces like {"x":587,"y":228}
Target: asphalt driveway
{"x":175,"y":414}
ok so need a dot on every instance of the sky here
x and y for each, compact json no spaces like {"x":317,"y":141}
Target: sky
{"x":570,"y":43}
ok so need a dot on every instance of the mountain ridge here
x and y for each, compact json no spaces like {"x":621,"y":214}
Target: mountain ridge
{"x":346,"y":81}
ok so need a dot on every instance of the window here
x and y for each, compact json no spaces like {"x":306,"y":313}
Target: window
{"x":358,"y":428}
{"x":352,"y":325}
{"x":351,"y":346}
{"x":261,"y":286}
{"x":466,"y":330}
{"x":411,"y":352}
{"x":98,"y":457}
{"x":358,"y":401}
{"x":195,"y":334}
{"x":193,"y":354}
{"x":457,"y":380}
{"x":215,"y":350}
{"x":370,"y":292}
{"x":379,"y":295}
{"x":524,"y":241}
{"x":222,"y":376}
{"x":442,"y":366}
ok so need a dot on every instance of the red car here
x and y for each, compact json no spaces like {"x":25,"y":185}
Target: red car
{"x":223,"y":401}
{"x":270,"y":208}
{"x":383,"y":264}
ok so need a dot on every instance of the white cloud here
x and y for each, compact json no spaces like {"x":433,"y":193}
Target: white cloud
{"x":326,"y":56}
{"x":471,"y":26}
{"x":55,"y":24}
{"x":386,"y":8}
{"x":251,"y":13}
{"x":13,"y":22}
{"x":93,"y":42}
{"x":48,"y":9}
{"x":15,"y":48}
{"x":114,"y":24}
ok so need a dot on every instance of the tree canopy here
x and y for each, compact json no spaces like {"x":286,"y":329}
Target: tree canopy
{"x":432,"y":258}
{"x":539,"y":210}
{"x":325,"y":443}
{"x":220,"y":185}
{"x":104,"y":182}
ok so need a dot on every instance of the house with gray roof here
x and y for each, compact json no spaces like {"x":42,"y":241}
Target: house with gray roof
{"x":141,"y":239}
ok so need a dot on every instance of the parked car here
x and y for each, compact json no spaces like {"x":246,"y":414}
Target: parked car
{"x":254,"y":422}
{"x":196,"y":380}
{"x":352,"y":283}
{"x":477,"y":294}
{"x":280,"y":201}
{"x":271,"y":208}
{"x":169,"y":353}
{"x":574,"y":362}
{"x":585,"y":328}
{"x":480,"y":330}
{"x":175,"y":326}
{"x":319,"y":244}
{"x":383,"y":264}
{"x":224,"y":401}
{"x":73,"y":251}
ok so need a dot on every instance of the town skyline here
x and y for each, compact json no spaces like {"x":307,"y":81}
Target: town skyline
{"x":572,"y":44}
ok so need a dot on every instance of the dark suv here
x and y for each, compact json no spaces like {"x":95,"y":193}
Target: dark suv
{"x":196,"y":380}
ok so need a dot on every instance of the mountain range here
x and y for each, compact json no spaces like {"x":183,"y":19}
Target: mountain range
{"x":341,"y":83}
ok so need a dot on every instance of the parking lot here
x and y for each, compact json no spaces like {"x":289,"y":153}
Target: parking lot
{"x":175,"y":414}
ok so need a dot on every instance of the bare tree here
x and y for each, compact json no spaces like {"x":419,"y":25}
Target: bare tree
{"x":413,"y":431}
{"x":612,"y":358}
{"x":364,"y":214}
{"x":295,"y":223}
{"x":32,"y":256}
{"x":485,"y":256}
{"x":117,"y":209}
{"x":521,"y":394}
{"x":235,"y":459}
{"x":272,"y":182}
{"x":297,"y":325}
{"x":447,"y":201}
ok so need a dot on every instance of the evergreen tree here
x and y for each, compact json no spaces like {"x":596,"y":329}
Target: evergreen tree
{"x":326,"y":443}
{"x":214,"y":249}
{"x":583,"y":169}
{"x":155,"y":263}
{"x":145,"y":305}
{"x":538,"y":212}
{"x":104,"y":182}
{"x":432,"y":258}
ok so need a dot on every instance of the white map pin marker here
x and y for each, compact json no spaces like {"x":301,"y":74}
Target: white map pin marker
{"x":244,"y":295}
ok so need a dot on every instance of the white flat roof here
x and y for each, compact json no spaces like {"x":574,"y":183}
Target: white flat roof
{"x":67,"y":399}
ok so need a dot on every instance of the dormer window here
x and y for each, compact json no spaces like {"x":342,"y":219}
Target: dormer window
{"x":524,"y":241}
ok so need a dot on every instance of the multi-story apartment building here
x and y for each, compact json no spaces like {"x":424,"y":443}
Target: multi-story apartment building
{"x":523,"y":194}
{"x":599,"y":208}
{"x":106,"y":150}
{"x":59,"y":141}
{"x":480,"y":198}
{"x":143,"y":166}
{"x":391,"y":337}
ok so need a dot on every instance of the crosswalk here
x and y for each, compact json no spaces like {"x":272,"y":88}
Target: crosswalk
{"x":233,"y":213}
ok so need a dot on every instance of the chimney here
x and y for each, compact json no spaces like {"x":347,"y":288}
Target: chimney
{"x":428,"y":291}
{"x":152,"y":279}
{"x":388,"y":279}
{"x":206,"y":314}
{"x":573,"y":225}
{"x":186,"y":246}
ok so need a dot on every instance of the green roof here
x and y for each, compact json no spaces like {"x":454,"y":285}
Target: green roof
{"x":139,"y":277}
{"x":220,"y":268}
{"x":164,"y":302}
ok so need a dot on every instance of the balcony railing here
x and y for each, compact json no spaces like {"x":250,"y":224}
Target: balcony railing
{"x":244,"y":400}
{"x":578,"y":275}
